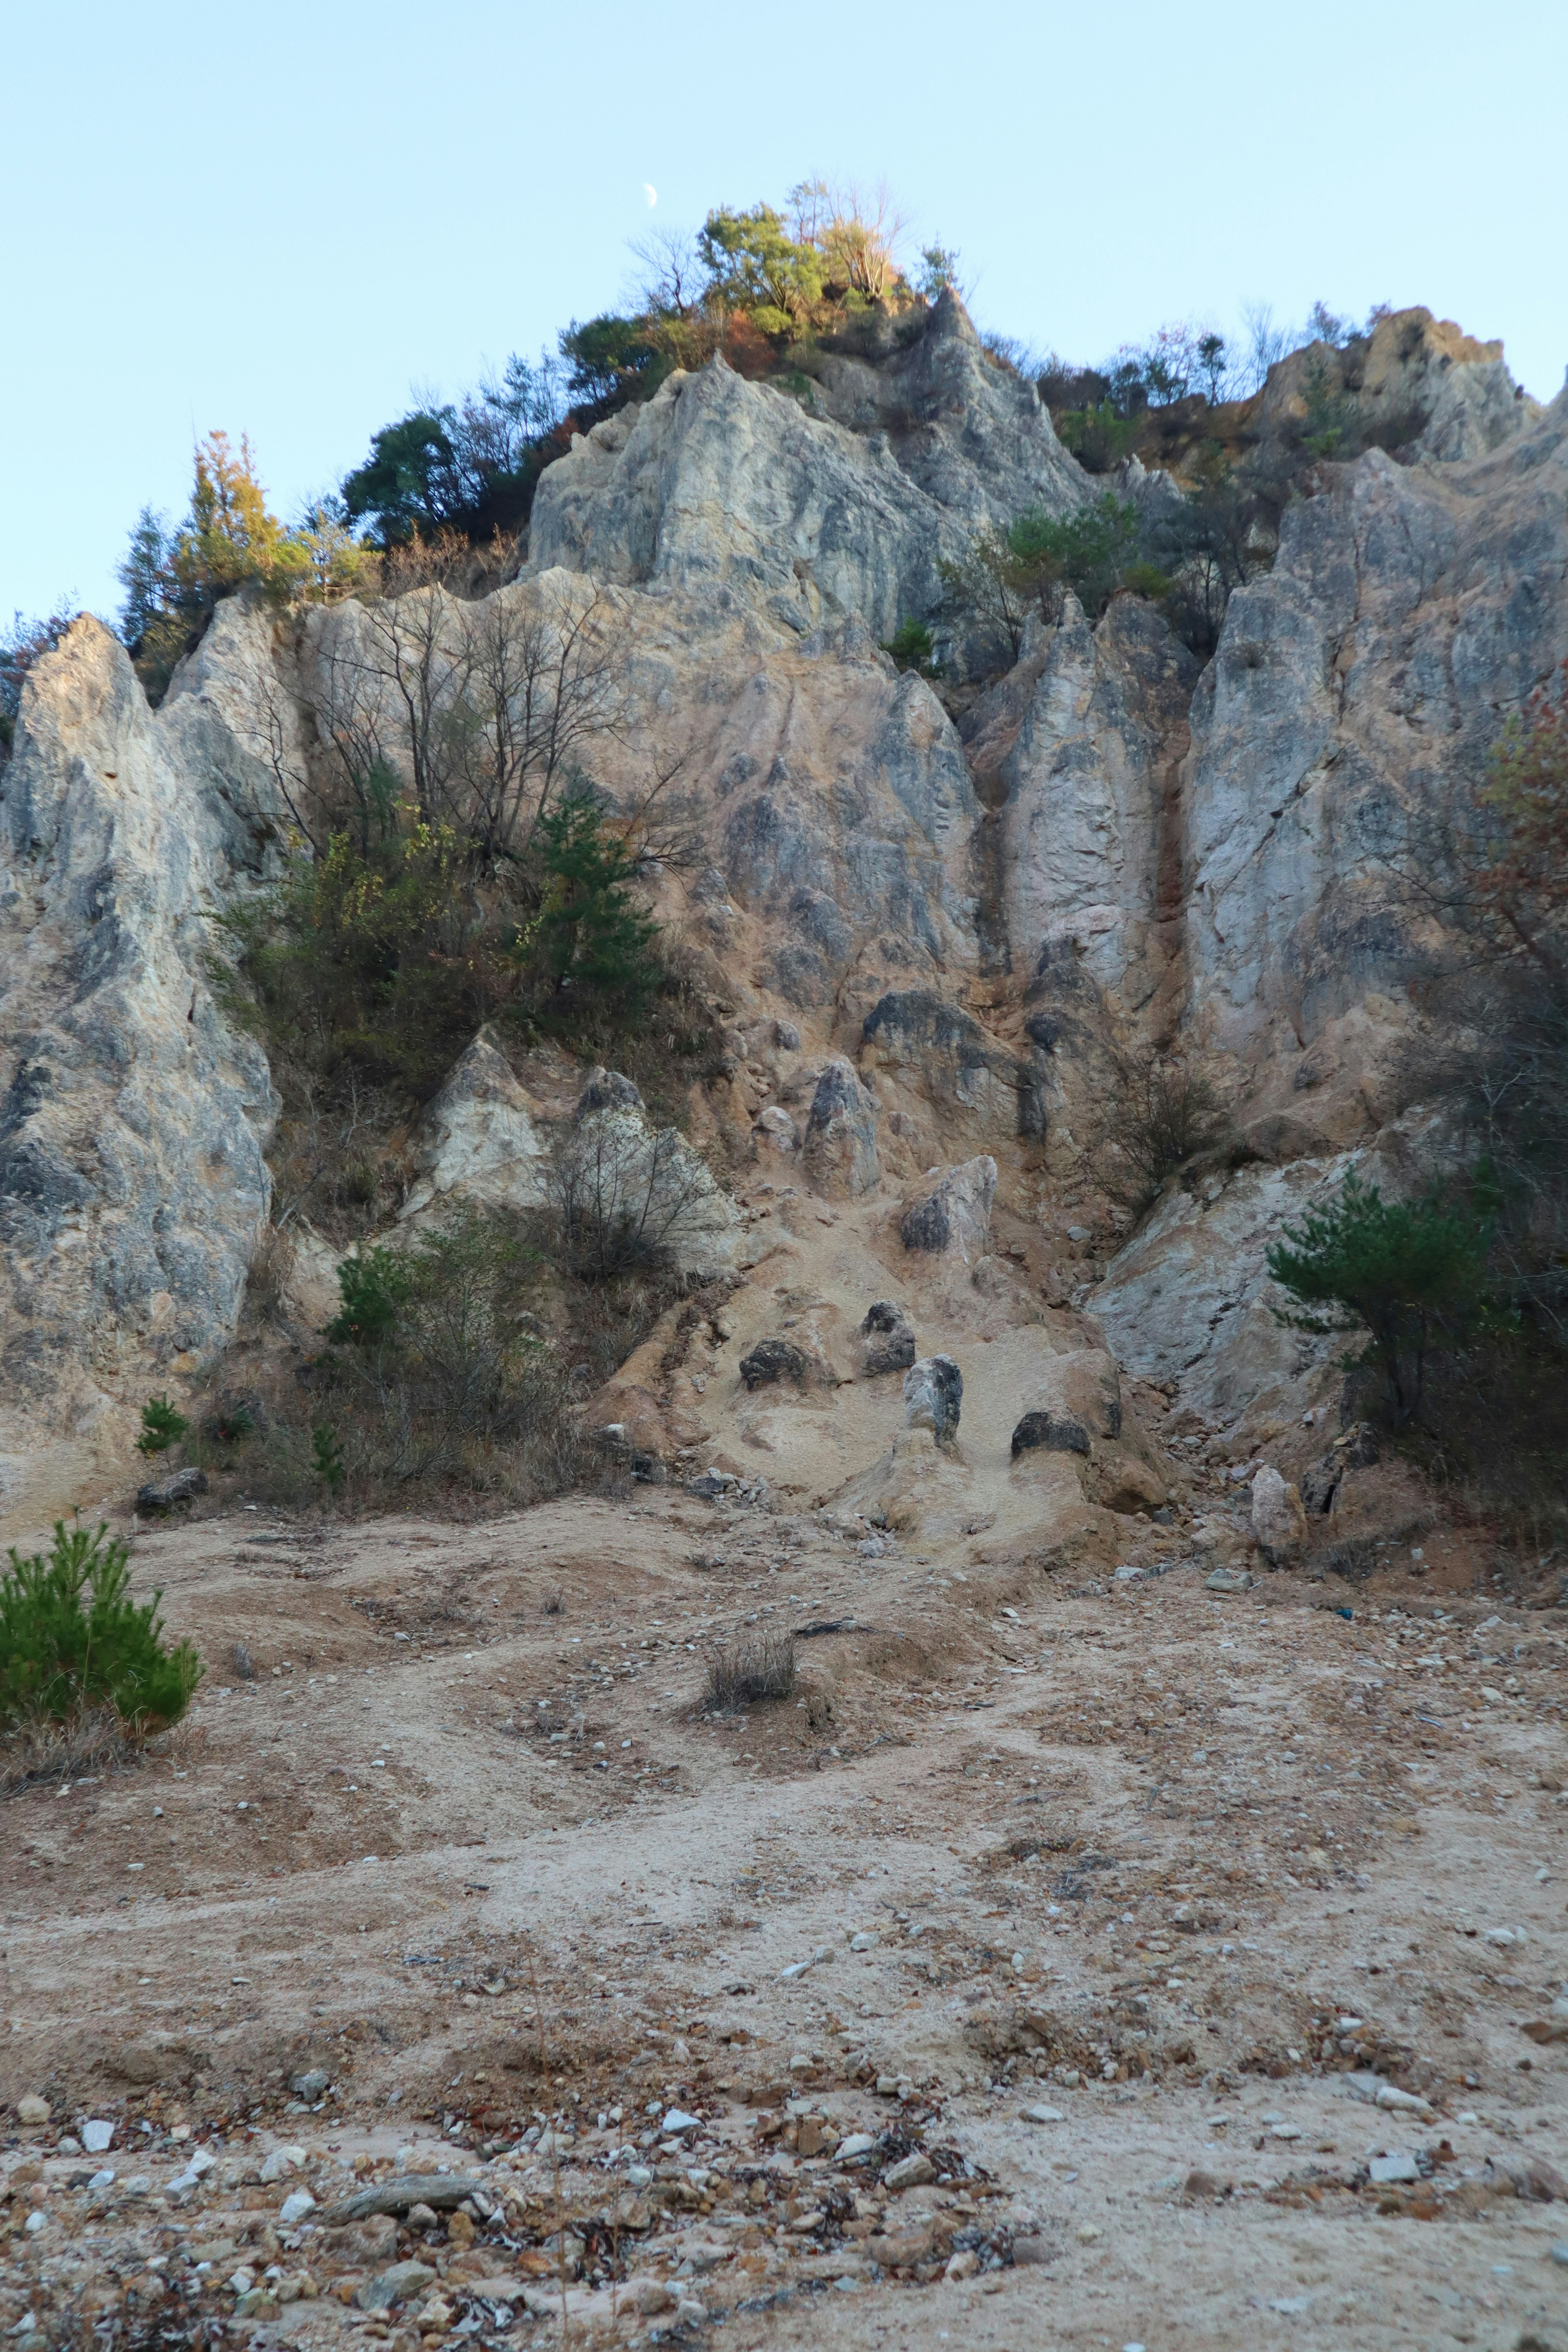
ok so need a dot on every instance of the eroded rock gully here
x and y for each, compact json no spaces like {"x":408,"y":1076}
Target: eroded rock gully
{"x":1189,"y":1941}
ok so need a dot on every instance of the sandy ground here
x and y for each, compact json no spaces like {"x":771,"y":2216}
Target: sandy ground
{"x":464,"y":1857}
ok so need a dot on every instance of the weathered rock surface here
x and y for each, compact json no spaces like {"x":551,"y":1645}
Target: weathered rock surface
{"x":934,"y":1396}
{"x":719,"y":481}
{"x":840,"y":1147}
{"x":627,"y":1192}
{"x":479,"y":1144}
{"x":887,"y":1339}
{"x":955,"y":1214}
{"x":133,"y":1117}
{"x":1410,"y":610}
{"x":1278,"y":1521}
{"x":1448,"y":394}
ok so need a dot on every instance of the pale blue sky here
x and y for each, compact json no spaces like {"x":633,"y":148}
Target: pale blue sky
{"x":278,"y":219}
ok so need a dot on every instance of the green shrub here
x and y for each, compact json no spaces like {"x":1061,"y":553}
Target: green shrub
{"x":1155,"y":1114}
{"x":1410,"y":1273}
{"x":1098,"y":437}
{"x":373,"y":1286}
{"x":327,"y":1456}
{"x":1091,"y":550}
{"x":71,"y":1638}
{"x":161,"y":1426}
{"x":912,"y":646}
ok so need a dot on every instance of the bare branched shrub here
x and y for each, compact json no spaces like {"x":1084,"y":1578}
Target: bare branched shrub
{"x":482,"y":713}
{"x":627,"y":1195}
{"x":1157,"y":1114}
{"x":751,"y":1672}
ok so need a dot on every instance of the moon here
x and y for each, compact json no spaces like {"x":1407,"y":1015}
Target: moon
{"x":651,"y":193}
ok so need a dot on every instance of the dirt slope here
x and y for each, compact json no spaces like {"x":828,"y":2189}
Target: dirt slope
{"x":467,"y":1844}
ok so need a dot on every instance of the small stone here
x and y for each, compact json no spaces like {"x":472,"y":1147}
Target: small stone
{"x":1086,"y":2234}
{"x":96,"y":2138}
{"x":312,"y":2084}
{"x":295,"y":2206}
{"x":651,"y":2295}
{"x":101,"y":2180}
{"x":1386,"y":2169}
{"x":962,"y":2266}
{"x":35,"y":2222}
{"x":401,"y":2283}
{"x":775,"y":1360}
{"x":867,"y":1941}
{"x":31,"y":2109}
{"x":856,"y":2148}
{"x":800,"y":2063}
{"x":678,"y":2121}
{"x":1405,"y":2103}
{"x":280,"y":2162}
{"x":914,"y":2172}
{"x":691,"y":2311}
{"x":1042,"y":2114}
{"x":1228,"y":1579}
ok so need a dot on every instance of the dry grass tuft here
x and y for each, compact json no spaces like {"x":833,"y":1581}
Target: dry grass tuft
{"x":40,"y":1748}
{"x":751,"y":1672}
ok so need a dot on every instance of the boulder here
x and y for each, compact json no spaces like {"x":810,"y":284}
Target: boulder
{"x":841,"y":1148}
{"x":628,"y":1192}
{"x":955,"y":1214}
{"x":773,"y":1130}
{"x":775,"y":1360}
{"x":478,"y":1143}
{"x":1278,"y":1520}
{"x":1052,"y":1433}
{"x":887,"y":1339}
{"x":164,"y":1494}
{"x":933,"y":1393}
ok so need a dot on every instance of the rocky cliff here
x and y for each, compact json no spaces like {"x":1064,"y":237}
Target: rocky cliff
{"x":1111,"y":841}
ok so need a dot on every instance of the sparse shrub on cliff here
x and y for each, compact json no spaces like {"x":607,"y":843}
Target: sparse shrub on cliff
{"x":1156,"y":1114}
{"x":1091,"y":551}
{"x":912,"y":646}
{"x":73,"y":1643}
{"x":230,"y":539}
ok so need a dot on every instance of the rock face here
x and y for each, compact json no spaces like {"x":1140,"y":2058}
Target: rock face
{"x":815,"y":507}
{"x":925,"y":934}
{"x":480,"y":1143}
{"x":1440,"y":388}
{"x":134,"y":1118}
{"x":1409,"y":610}
{"x":955,"y":1215}
{"x":934,"y":1395}
{"x":841,"y":1148}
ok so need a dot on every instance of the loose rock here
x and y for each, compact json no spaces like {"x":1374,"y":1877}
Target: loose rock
{"x":934,"y":1394}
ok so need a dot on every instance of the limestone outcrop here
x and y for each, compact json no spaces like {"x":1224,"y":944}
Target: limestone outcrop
{"x":134,"y":1116}
{"x":926,"y":925}
{"x":841,"y":501}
